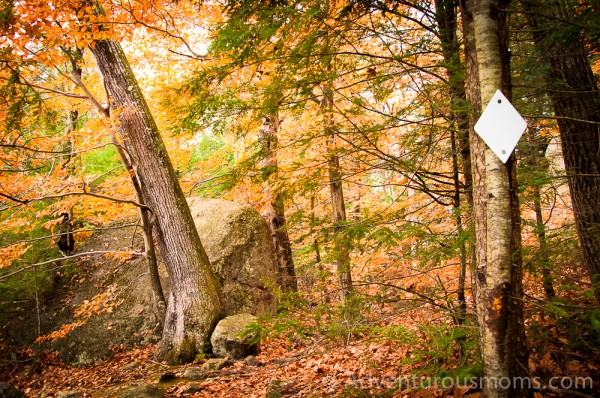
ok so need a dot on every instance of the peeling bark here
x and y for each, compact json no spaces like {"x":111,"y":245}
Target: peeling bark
{"x":498,"y":284}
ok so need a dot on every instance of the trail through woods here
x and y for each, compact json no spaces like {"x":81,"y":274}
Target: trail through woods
{"x":313,"y":367}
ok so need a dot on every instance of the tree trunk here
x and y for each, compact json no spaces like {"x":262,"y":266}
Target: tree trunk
{"x":576,"y":100}
{"x":540,"y":232}
{"x":323,"y":274}
{"x":338,"y":207}
{"x":267,"y":136}
{"x":535,"y":160}
{"x":456,"y":203}
{"x":498,"y":293}
{"x":339,"y":219}
{"x":159,"y":302}
{"x":459,"y":131}
{"x":194,"y":304}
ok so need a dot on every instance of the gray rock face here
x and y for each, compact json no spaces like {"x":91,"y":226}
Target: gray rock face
{"x":238,"y":243}
{"x":231,"y":338}
{"x":69,"y":394}
{"x":194,"y":373}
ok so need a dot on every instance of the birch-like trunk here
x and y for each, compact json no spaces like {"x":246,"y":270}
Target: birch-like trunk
{"x":194,"y":303}
{"x":498,"y":292}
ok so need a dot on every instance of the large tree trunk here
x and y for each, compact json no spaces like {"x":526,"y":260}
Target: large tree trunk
{"x":159,"y":302}
{"x":498,"y":293}
{"x":267,"y":136}
{"x":576,"y":100}
{"x":194,"y":303}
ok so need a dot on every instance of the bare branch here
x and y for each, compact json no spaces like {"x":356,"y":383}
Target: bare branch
{"x":74,"y":256}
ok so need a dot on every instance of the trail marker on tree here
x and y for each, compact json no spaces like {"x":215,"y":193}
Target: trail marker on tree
{"x":500,"y":126}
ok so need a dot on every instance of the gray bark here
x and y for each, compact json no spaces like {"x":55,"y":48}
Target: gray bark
{"x":576,"y":100}
{"x":338,"y":206}
{"x":275,"y":214}
{"x":194,"y":303}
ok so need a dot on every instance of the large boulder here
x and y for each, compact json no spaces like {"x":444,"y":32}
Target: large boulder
{"x":239,"y":246}
{"x":234,"y":337}
{"x":237,"y":241}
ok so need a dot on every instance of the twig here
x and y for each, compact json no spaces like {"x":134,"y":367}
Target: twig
{"x":78,"y":255}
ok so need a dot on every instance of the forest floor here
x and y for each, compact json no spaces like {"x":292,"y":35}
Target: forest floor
{"x":396,"y":350}
{"x":312,"y":367}
{"x":359,"y":369}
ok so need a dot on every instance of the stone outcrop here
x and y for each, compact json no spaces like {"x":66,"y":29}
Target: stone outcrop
{"x":238,"y":243}
{"x":239,"y":246}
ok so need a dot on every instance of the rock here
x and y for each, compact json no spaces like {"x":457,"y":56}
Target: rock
{"x":8,"y":391}
{"x":238,"y":243}
{"x":192,"y":388}
{"x":143,"y":391}
{"x":194,"y":373}
{"x":167,"y":376}
{"x":131,"y":365}
{"x":279,"y":388}
{"x":216,"y":364}
{"x":69,"y":394}
{"x":252,"y":361}
{"x":239,"y":246}
{"x":231,"y":338}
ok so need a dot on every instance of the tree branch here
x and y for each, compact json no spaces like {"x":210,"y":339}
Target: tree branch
{"x":78,"y":255}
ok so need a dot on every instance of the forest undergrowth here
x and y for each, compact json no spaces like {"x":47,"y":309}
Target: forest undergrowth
{"x":313,"y":348}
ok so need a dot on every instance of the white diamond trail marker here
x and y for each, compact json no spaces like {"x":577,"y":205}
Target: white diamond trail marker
{"x":500,"y":126}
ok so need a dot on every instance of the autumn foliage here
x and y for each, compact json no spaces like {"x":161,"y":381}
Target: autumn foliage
{"x":362,"y":82}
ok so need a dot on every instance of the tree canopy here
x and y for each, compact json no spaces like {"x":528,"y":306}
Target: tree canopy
{"x":349,"y":126}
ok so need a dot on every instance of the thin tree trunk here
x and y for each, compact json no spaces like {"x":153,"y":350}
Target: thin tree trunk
{"x":471,"y":142}
{"x":540,"y":232}
{"x":456,"y":203}
{"x":338,"y":207}
{"x":194,"y":304}
{"x":535,"y":159}
{"x":69,"y":142}
{"x":322,"y":272}
{"x":447,"y":23}
{"x":498,"y":293}
{"x":267,"y":136}
{"x":576,"y":100}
